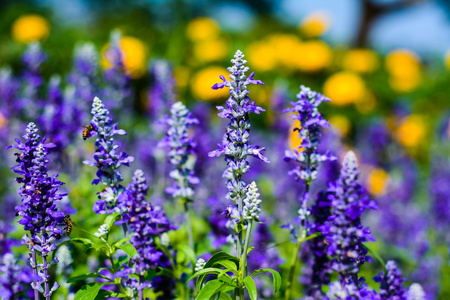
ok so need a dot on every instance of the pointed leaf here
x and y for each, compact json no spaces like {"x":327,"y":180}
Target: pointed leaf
{"x":251,"y":287}
{"x":129,"y":249}
{"x":276,"y":278}
{"x":219,"y":256}
{"x":89,"y":291}
{"x":85,"y":276}
{"x":376,"y":255}
{"x":210,"y":288}
{"x":109,"y":221}
{"x":224,"y":296}
{"x":205,"y":272}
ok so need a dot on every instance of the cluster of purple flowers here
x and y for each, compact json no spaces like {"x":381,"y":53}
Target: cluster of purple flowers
{"x":146,"y":222}
{"x":107,"y":159}
{"x":38,"y":211}
{"x":343,"y":230}
{"x":179,"y":147}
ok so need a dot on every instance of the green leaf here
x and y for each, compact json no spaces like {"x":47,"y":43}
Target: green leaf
{"x":276,"y":278}
{"x":210,"y":288}
{"x":109,"y":221}
{"x":228,"y":264}
{"x":129,"y":249}
{"x":89,"y":291}
{"x":376,"y":255}
{"x":205,"y":271}
{"x":77,"y":240}
{"x":104,"y":294}
{"x":220,"y":256}
{"x":224,"y":296}
{"x":251,"y":287}
{"x":85,"y":276}
{"x":120,"y":242}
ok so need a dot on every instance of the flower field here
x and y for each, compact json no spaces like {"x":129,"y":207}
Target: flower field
{"x":146,"y":157}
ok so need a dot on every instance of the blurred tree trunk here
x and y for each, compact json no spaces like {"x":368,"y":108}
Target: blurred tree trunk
{"x":372,"y":11}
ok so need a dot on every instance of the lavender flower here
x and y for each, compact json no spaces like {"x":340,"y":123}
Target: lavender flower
{"x":146,"y":222}
{"x":31,"y":79}
{"x":107,"y":160}
{"x":39,"y":194}
{"x":311,"y":121}
{"x":343,"y":231}
{"x":180,"y":146}
{"x":391,"y":284}
{"x":338,"y":291}
{"x":117,"y":81}
{"x":162,"y":91}
{"x":13,"y":278}
{"x":9,"y":88}
{"x":235,"y":144}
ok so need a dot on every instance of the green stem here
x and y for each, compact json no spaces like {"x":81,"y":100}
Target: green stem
{"x":301,"y":236}
{"x":247,"y":242}
{"x":189,"y":227}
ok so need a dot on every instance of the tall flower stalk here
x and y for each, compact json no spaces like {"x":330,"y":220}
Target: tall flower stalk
{"x":180,"y":147}
{"x":38,"y":211}
{"x":235,"y":143}
{"x":305,"y":111}
{"x":107,"y":159}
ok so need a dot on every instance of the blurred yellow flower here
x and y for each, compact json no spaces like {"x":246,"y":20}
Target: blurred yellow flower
{"x":315,"y":24}
{"x":405,"y":70}
{"x":211,"y":50}
{"x":411,"y":131}
{"x":377,"y":182}
{"x":293,"y":139}
{"x":3,"y":120}
{"x":341,"y":123}
{"x":204,"y":79}
{"x":313,"y":56}
{"x":30,"y":28}
{"x":275,"y":50}
{"x":134,"y":56}
{"x":447,"y":60}
{"x":361,"y":61}
{"x":344,"y":88}
{"x":201,"y":29}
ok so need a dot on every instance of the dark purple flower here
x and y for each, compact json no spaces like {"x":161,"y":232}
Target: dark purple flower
{"x":343,"y":231}
{"x":391,"y":284}
{"x":38,"y":212}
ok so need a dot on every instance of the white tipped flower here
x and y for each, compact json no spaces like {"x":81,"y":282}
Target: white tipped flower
{"x":200,"y":264}
{"x":102,"y":231}
{"x":252,"y":207}
{"x":416,"y":292}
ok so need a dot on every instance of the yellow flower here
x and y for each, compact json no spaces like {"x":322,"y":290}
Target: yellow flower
{"x":134,"y":56}
{"x":286,"y":48}
{"x":405,"y":70}
{"x":412,"y":131}
{"x":261,"y":56}
{"x":211,"y":50}
{"x":30,"y":28}
{"x":377,"y":182}
{"x":313,"y":56}
{"x":295,"y":141}
{"x":315,"y":24}
{"x":447,"y":60}
{"x":204,"y":79}
{"x":341,"y":123}
{"x":344,"y":88}
{"x":361,"y":61}
{"x":201,"y":29}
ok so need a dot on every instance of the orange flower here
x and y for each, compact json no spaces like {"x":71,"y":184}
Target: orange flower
{"x":344,"y":88}
{"x":30,"y":28}
{"x":204,"y":79}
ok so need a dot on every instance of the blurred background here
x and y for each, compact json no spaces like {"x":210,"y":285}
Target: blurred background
{"x":384,"y":63}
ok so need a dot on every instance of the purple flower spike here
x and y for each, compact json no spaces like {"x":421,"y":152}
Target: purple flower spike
{"x":38,"y":212}
{"x":146,"y":222}
{"x":391,"y":284}
{"x":235,"y":144}
{"x":343,"y":230}
{"x":180,"y":146}
{"x":107,"y":159}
